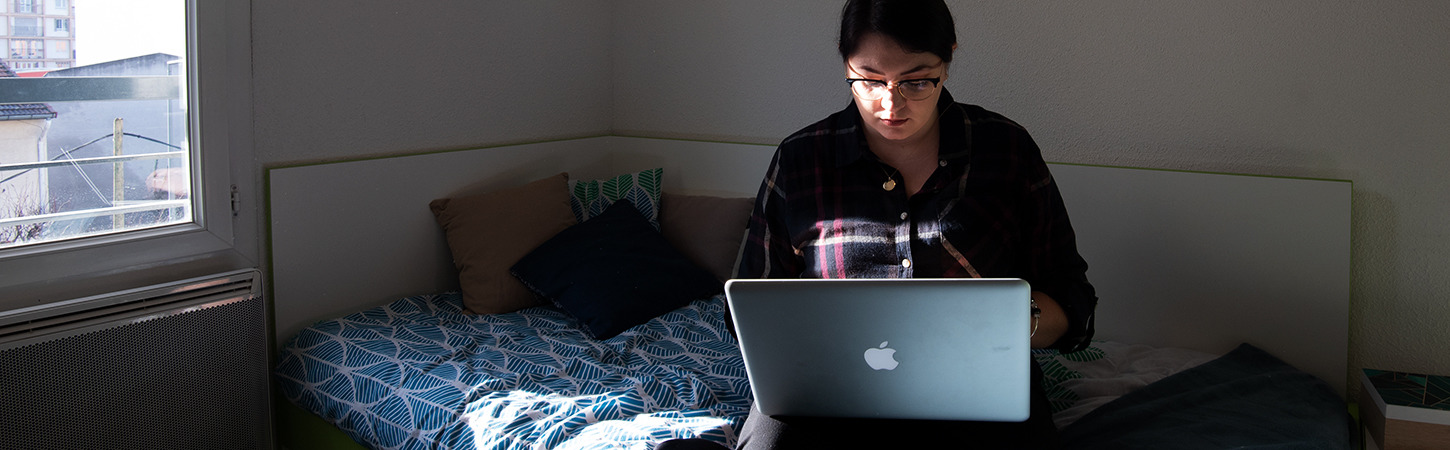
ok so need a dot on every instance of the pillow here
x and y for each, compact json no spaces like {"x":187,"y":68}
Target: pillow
{"x":706,"y":229}
{"x":614,"y":271}
{"x":487,"y":233}
{"x":590,"y":198}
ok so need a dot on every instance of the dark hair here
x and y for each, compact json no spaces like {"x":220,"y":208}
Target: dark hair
{"x":915,"y":25}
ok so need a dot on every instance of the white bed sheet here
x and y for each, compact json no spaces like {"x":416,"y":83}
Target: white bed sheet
{"x":1080,"y":382}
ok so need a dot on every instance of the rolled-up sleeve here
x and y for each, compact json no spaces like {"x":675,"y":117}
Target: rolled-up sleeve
{"x":1054,"y":265}
{"x":767,"y":251}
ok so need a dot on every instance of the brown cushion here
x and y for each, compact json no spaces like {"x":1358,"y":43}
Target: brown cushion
{"x":706,"y":229}
{"x":487,"y":233}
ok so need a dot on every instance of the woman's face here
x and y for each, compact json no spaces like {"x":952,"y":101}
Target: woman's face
{"x":892,"y":116}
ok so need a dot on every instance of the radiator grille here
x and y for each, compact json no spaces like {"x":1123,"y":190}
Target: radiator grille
{"x":191,"y":378}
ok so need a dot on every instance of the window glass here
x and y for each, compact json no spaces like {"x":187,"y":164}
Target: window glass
{"x":60,"y":49}
{"x":26,"y":26}
{"x":99,"y":141}
{"x":26,"y":49}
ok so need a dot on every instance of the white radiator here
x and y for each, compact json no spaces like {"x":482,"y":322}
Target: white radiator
{"x":175,"y":366}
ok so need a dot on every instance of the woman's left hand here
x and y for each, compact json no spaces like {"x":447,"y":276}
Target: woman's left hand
{"x":1051,"y":325}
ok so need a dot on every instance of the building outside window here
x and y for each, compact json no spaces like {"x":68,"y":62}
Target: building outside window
{"x":53,"y":24}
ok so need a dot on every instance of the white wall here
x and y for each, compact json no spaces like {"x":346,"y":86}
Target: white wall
{"x":1344,"y":90}
{"x":739,"y":70}
{"x":1347,"y":90}
{"x":346,"y":79}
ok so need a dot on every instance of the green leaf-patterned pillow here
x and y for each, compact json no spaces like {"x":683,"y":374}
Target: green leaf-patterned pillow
{"x":589,"y":198}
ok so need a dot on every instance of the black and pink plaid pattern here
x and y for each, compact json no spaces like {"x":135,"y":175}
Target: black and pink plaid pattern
{"x":990,"y":210}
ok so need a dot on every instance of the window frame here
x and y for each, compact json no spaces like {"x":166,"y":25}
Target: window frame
{"x":223,"y":235}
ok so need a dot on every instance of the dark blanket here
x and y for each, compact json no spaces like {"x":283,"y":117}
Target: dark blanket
{"x":1244,"y":399}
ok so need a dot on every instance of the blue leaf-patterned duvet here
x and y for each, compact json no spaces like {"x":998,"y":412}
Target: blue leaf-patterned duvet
{"x":418,"y":373}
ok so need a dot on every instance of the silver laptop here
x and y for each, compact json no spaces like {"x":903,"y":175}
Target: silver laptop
{"x":939,"y":349}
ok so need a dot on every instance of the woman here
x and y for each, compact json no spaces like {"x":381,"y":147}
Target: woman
{"x":905,"y":182}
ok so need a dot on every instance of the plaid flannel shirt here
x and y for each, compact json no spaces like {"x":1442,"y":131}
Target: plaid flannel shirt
{"x":991,"y":209}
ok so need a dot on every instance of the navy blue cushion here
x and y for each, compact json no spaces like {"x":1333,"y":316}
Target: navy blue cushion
{"x":614,"y":271}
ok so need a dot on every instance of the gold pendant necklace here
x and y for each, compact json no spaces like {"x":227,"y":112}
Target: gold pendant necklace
{"x":890,"y":182}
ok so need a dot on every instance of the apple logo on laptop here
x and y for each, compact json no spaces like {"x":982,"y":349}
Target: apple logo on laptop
{"x":881,"y":358}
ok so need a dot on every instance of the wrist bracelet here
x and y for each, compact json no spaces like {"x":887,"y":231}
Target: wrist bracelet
{"x":1036,"y":316}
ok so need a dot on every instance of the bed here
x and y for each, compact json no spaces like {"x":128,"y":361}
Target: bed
{"x":1223,"y":320}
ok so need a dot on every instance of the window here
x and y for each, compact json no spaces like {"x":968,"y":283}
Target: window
{"x":25,"y":6}
{"x":61,"y":4}
{"x":124,"y":170}
{"x":26,"y":49}
{"x":62,"y":24}
{"x":58,"y":49}
{"x":26,"y":26}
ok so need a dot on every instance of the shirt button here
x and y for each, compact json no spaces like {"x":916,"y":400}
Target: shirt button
{"x":942,"y":163}
{"x":903,"y":216}
{"x":906,"y":263}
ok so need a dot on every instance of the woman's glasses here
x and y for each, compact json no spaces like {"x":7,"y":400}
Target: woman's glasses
{"x":913,"y":89}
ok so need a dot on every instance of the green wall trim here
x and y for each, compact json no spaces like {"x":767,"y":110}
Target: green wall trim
{"x":290,"y":165}
{"x":1205,"y":172}
{"x":688,"y":139}
{"x":321,"y":162}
